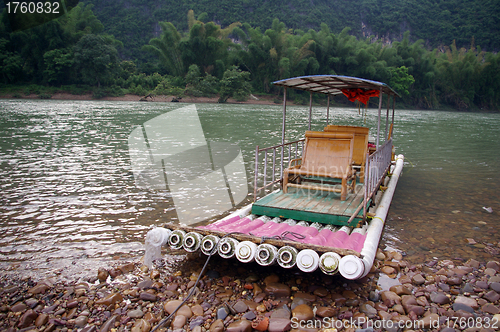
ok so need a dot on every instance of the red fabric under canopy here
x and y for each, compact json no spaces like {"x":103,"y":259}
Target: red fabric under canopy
{"x":360,"y":94}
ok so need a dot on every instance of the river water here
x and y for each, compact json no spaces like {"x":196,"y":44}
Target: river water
{"x":69,"y":200}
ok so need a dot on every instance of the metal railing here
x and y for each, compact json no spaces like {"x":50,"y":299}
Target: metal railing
{"x":377,"y":165}
{"x":273,"y":161}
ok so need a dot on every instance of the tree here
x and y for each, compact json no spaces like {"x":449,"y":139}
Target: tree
{"x":96,"y":59}
{"x":166,"y":48}
{"x":10,"y":64}
{"x":401,"y":80}
{"x":234,"y":84}
{"x":58,"y":64}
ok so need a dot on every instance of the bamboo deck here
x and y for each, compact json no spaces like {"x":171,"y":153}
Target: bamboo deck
{"x":323,"y":207}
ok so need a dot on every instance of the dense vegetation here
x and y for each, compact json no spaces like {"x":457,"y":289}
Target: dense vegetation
{"x":437,"y":22}
{"x":77,"y":53}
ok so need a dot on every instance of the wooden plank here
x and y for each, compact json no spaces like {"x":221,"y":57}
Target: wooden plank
{"x":321,"y":207}
{"x":346,"y":205}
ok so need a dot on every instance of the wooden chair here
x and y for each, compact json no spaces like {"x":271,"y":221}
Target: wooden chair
{"x":326,"y":156}
{"x":360,"y":145}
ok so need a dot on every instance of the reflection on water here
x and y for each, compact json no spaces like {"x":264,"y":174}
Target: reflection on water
{"x":67,"y":190}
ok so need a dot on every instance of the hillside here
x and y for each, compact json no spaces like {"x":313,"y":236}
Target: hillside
{"x":434,"y":54}
{"x":437,"y":22}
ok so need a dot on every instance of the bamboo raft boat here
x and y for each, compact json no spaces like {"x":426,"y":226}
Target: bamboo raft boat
{"x":334,"y":189}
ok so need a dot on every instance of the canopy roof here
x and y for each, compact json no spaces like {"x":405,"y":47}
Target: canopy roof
{"x":333,"y":84}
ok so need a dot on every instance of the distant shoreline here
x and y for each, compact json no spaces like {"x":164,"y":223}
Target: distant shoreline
{"x":257,"y":100}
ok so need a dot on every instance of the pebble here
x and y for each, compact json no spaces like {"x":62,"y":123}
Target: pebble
{"x":326,"y":312}
{"x":439,"y":298}
{"x":179,"y":321}
{"x":240,"y":326}
{"x":141,"y":325}
{"x":110,"y":323}
{"x":147,"y":296}
{"x":418,"y":279}
{"x":136,"y":299}
{"x":250,"y":315}
{"x":240,"y":306}
{"x":137,"y":313}
{"x":197,"y":310}
{"x":490,"y":309}
{"x":222,"y":312}
{"x":110,"y":299}
{"x":81,"y":321}
{"x":217,"y":326}
{"x":277,"y":289}
{"x":170,"y":306}
{"x":492,"y":296}
{"x":279,"y":325}
{"x":27,"y":318}
{"x":467,"y":301}
{"x":303,"y":312}
{"x":18,"y":307}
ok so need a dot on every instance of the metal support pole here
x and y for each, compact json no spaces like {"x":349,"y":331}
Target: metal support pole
{"x":256,"y":176}
{"x":283,"y":132}
{"x":387,"y":117}
{"x":393,"y":107}
{"x":310,"y":108}
{"x":379,"y":115}
{"x":327,"y":109}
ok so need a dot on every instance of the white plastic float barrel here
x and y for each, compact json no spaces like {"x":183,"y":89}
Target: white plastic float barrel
{"x":317,"y":225}
{"x":307,"y":260}
{"x":352,"y":267}
{"x":245,"y":251}
{"x":287,"y":257}
{"x":209,"y":244}
{"x":227,"y":247}
{"x":356,"y":239}
{"x":155,"y":239}
{"x":192,"y":241}
{"x":176,"y":239}
{"x":330,"y":227}
{"x":266,"y":254}
{"x":329,"y":263}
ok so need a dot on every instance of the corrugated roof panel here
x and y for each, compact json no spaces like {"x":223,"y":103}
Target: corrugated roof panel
{"x":333,"y":84}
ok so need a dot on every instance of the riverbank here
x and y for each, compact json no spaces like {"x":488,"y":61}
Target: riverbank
{"x":258,"y":99}
{"x":230,"y":296}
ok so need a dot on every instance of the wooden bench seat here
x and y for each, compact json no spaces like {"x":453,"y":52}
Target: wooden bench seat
{"x":327,"y":155}
{"x":360,"y":145}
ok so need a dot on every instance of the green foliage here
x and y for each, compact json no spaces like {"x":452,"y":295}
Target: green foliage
{"x":193,"y":75}
{"x":234,"y":84}
{"x":58,"y":66}
{"x":166,"y":48}
{"x":168,"y":87}
{"x":198,"y":57}
{"x":96,"y":59}
{"x":44,"y":96}
{"x":10,"y":63}
{"x":198,"y":86}
{"x":401,"y":80}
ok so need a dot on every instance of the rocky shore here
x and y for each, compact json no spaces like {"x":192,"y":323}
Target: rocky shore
{"x":230,"y":296}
